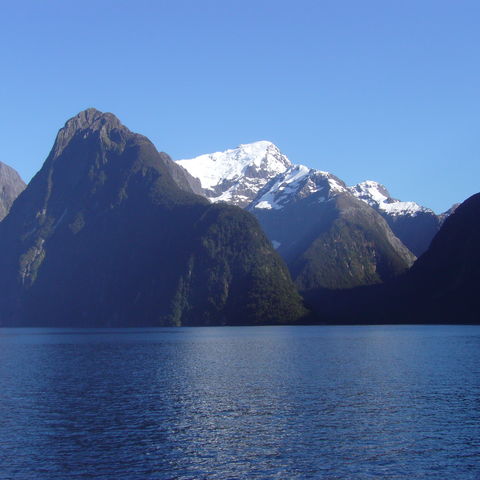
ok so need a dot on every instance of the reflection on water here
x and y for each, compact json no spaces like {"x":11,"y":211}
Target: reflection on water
{"x":396,"y":402}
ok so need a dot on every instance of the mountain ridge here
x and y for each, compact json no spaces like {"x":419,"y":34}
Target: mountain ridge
{"x":327,"y":211}
{"x":252,"y":154}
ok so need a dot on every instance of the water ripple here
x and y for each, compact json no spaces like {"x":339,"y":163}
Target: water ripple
{"x":241,"y":403}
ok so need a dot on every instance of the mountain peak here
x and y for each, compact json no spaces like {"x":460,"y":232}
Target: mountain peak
{"x":90,"y":120}
{"x":371,"y":191}
{"x":93,"y":119}
{"x":413,"y":224}
{"x":377,"y":196}
{"x":296,"y":183}
{"x":237,"y":175}
{"x":259,"y":143}
{"x":259,"y":146}
{"x":104,"y":235}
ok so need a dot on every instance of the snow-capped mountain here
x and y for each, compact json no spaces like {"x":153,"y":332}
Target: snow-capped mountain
{"x":327,"y":236}
{"x":413,"y":224}
{"x":376,"y":195}
{"x":237,"y":175}
{"x":259,"y":177}
{"x":296,"y":183}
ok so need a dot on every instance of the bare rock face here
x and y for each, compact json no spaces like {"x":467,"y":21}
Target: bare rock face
{"x":11,"y":186}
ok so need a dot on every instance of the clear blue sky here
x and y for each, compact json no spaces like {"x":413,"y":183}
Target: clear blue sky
{"x":381,"y":90}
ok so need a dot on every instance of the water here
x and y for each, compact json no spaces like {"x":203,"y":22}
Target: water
{"x":394,"y":402}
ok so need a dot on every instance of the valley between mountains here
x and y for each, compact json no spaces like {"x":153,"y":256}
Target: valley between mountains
{"x":111,"y":232}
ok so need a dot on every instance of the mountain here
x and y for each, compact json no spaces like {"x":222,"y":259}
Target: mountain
{"x":104,"y":236}
{"x":443,"y":283}
{"x":11,"y":185}
{"x":296,"y":183}
{"x":413,"y":224}
{"x":328,"y":237}
{"x":236,"y":176}
{"x":441,"y":287}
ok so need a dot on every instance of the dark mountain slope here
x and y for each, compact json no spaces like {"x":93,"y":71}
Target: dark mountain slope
{"x":441,"y":287}
{"x":103,"y":236}
{"x":416,"y":232}
{"x":235,"y":270}
{"x":446,"y":279}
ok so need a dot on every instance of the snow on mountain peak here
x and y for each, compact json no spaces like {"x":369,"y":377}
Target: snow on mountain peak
{"x":237,"y":175}
{"x":259,"y":175}
{"x":296,"y":183}
{"x":372,"y":192}
{"x":376,"y":195}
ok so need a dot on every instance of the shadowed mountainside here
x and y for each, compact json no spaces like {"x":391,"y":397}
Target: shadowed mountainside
{"x":104,"y":236}
{"x":441,"y":287}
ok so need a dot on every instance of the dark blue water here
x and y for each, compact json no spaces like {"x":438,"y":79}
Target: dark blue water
{"x":399,"y":402}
